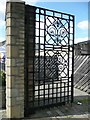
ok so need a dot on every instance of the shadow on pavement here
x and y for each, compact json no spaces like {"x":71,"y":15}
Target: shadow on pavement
{"x":79,"y":109}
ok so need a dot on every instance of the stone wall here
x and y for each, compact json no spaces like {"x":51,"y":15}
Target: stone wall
{"x":15,"y":19}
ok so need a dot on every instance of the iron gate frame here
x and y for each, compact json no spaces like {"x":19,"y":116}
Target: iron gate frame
{"x":70,"y":47}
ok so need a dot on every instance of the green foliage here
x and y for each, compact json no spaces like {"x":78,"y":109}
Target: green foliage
{"x":2,"y":78}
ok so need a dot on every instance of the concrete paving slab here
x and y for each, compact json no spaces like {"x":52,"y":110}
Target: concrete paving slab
{"x":76,"y":111}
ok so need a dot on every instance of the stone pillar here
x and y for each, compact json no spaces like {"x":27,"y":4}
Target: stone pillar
{"x":30,"y":53}
{"x":15,"y":15}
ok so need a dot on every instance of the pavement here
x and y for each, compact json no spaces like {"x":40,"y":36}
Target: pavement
{"x":75,"y":111}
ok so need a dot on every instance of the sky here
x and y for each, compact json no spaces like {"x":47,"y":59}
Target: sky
{"x":77,"y":8}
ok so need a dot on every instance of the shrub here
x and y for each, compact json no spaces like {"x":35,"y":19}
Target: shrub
{"x":2,"y":78}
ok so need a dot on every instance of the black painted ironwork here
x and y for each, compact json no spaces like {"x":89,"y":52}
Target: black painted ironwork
{"x":53,"y":59}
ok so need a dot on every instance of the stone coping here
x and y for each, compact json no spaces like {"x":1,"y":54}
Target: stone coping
{"x":16,"y":1}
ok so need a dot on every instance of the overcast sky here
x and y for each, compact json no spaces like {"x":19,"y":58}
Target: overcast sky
{"x":79,"y":8}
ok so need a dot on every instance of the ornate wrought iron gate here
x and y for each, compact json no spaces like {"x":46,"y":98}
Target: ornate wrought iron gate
{"x":49,"y":57}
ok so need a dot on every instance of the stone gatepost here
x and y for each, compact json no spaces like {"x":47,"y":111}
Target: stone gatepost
{"x":15,"y":19}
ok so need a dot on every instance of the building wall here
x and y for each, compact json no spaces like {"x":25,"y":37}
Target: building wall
{"x":82,"y":48}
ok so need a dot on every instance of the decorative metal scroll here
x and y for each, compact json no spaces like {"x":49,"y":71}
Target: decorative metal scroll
{"x":57,"y":29}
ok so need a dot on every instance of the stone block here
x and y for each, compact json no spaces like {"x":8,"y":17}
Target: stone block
{"x":8,"y":51}
{"x":14,"y":6}
{"x":8,"y":111}
{"x":8,"y":15}
{"x":18,"y":6}
{"x":8,"y":30}
{"x":21,"y":22}
{"x":15,"y":111}
{"x":14,"y":15}
{"x":8,"y":22}
{"x":8,"y":82}
{"x":8,"y":92}
{"x":11,"y":62}
{"x":8,"y":70}
{"x":11,"y":102}
{"x":14,"y":51}
{"x":20,"y":43}
{"x":8,"y":7}
{"x":21,"y":94}
{"x":21,"y":35}
{"x":11,"y":39}
{"x":12,"y":31}
{"x":14,"y":71}
{"x":21,"y":56}
{"x":22,"y":31}
{"x":13,"y":92}
{"x":21,"y":52}
{"x":19,"y":98}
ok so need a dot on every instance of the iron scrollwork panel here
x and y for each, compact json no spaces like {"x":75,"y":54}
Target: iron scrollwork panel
{"x":57,"y":31}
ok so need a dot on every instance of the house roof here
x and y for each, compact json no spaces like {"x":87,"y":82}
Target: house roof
{"x":84,"y":42}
